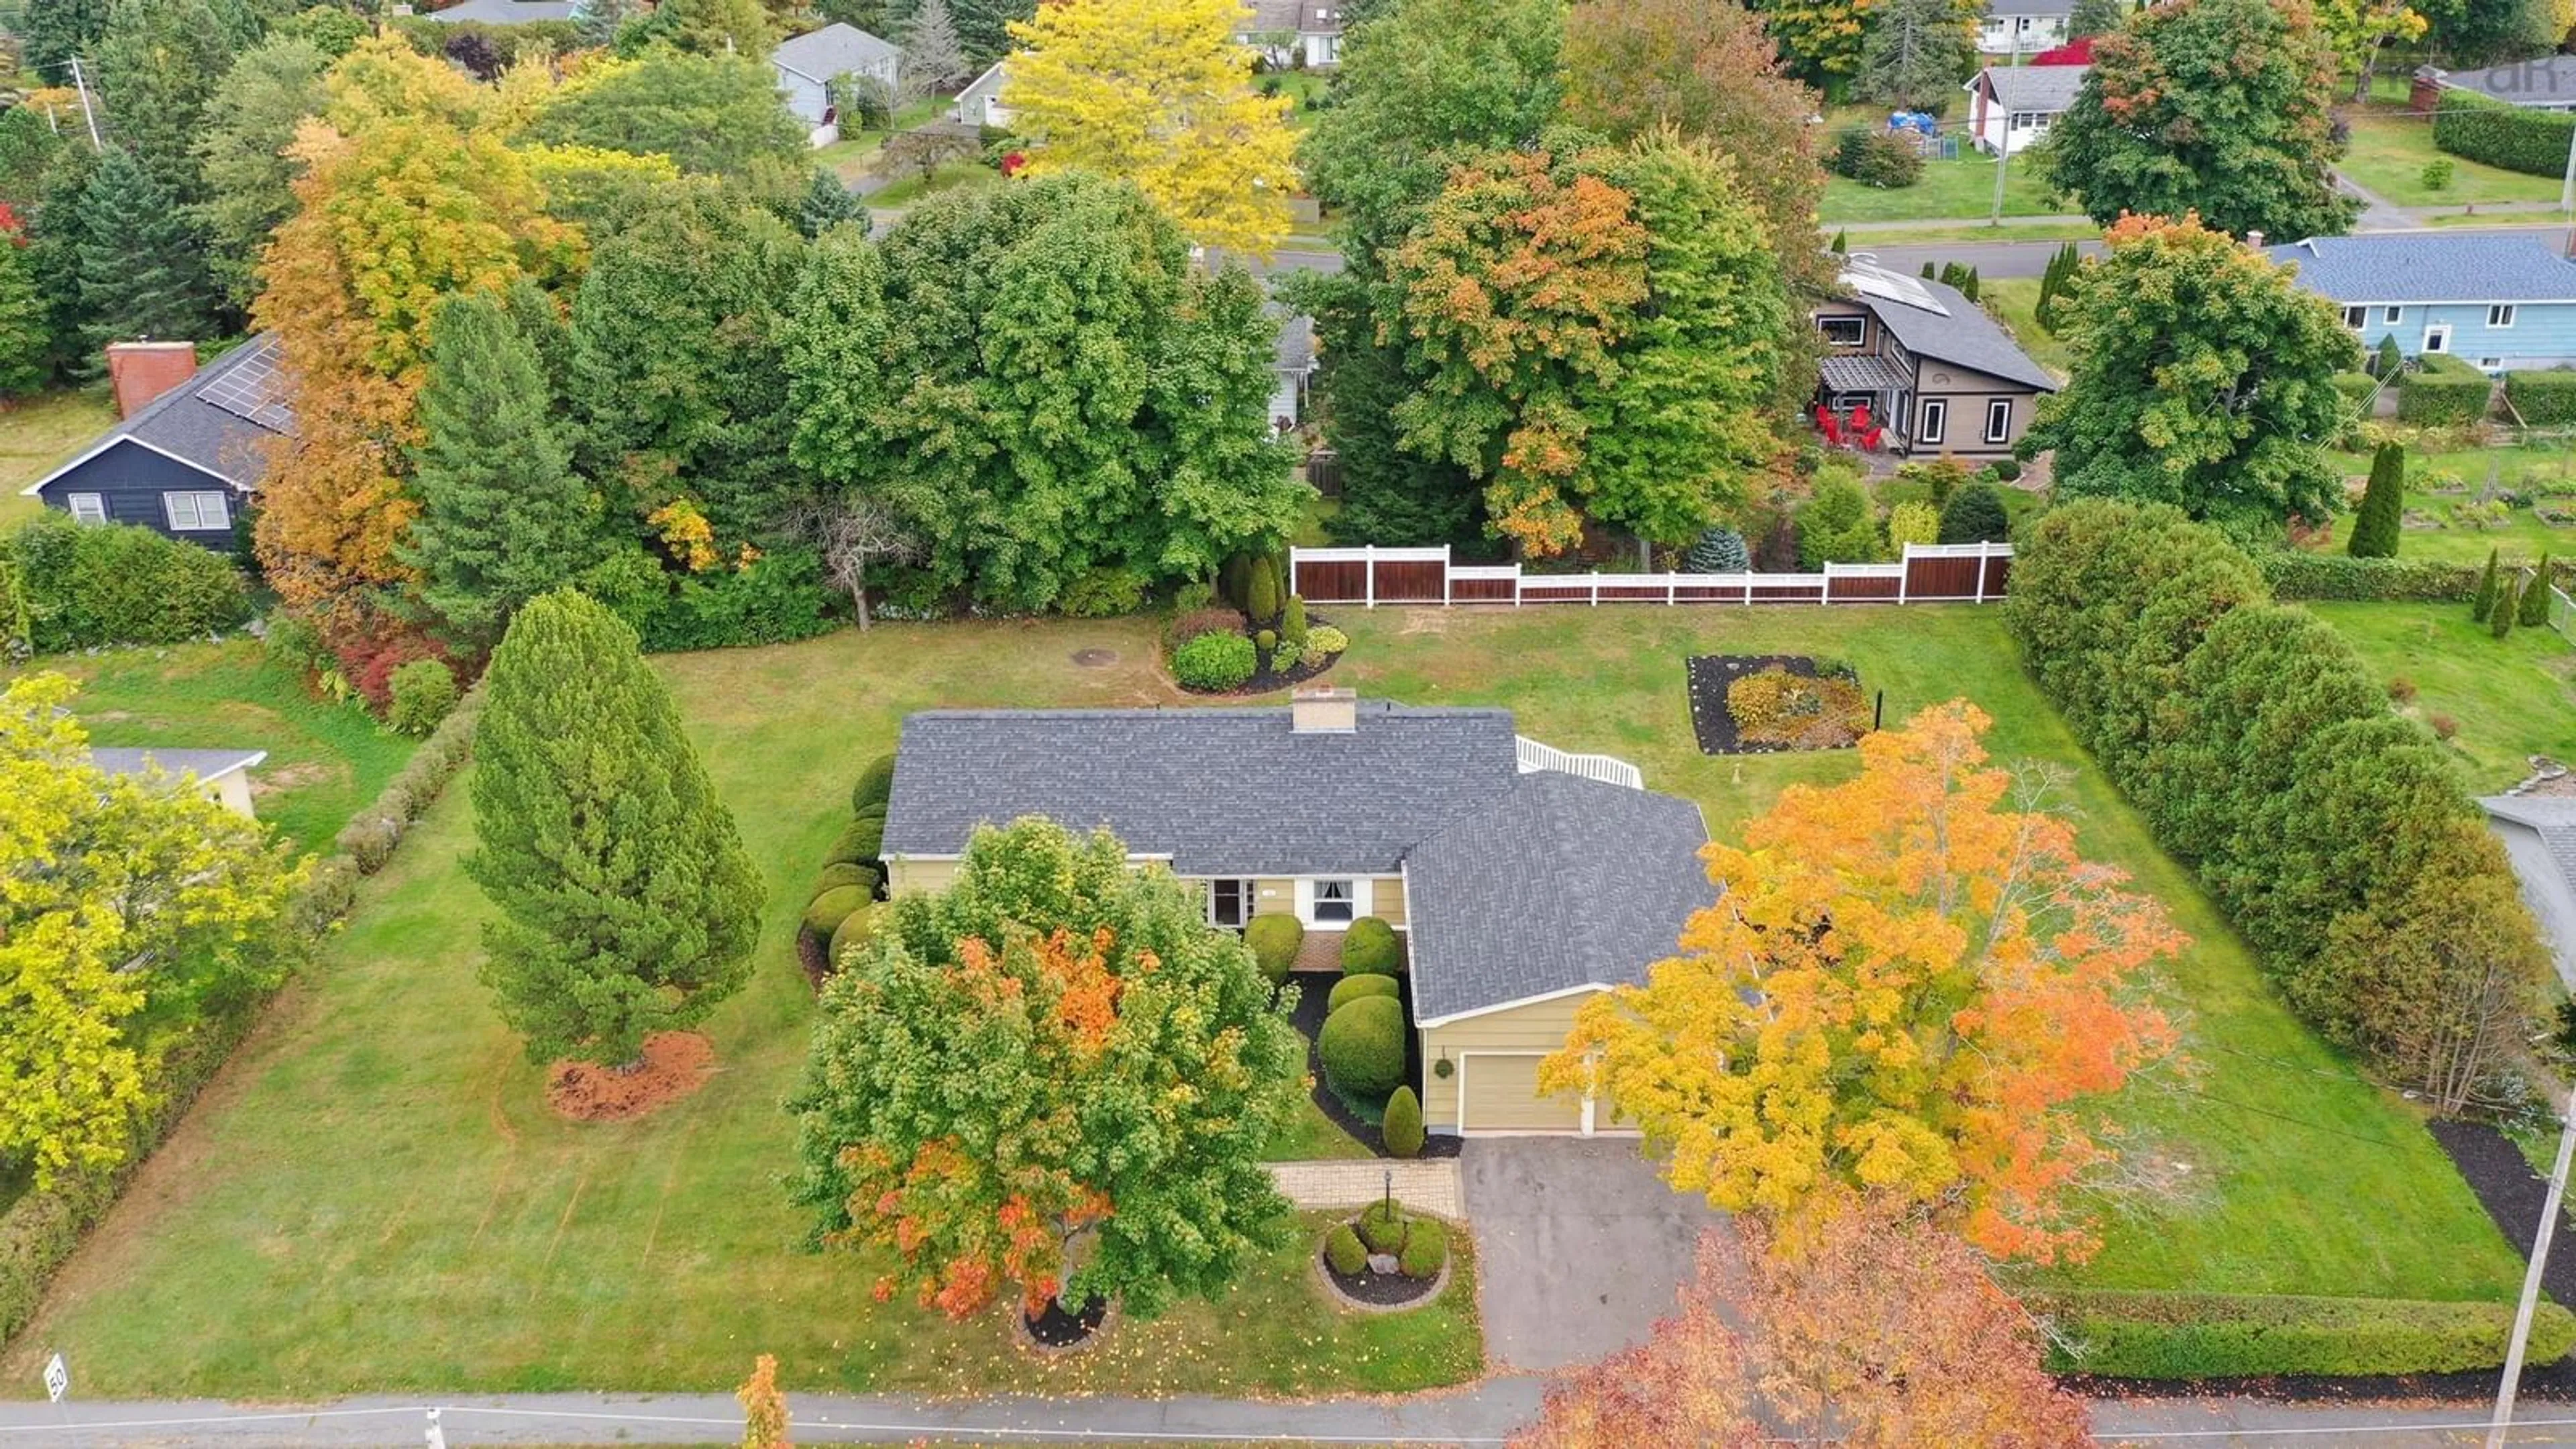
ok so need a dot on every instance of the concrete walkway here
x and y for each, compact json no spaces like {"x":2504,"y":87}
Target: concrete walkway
{"x":1430,"y":1187}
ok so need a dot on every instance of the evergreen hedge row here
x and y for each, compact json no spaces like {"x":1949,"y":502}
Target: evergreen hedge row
{"x":65,"y":585}
{"x":2299,"y":574}
{"x":2445,"y":393}
{"x":2226,"y":1335}
{"x":2543,"y":399}
{"x":2499,"y":133}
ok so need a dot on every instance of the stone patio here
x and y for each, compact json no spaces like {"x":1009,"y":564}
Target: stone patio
{"x":1430,"y":1187}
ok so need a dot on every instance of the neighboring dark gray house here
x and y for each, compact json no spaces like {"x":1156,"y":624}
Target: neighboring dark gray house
{"x":508,"y":12}
{"x":183,"y":461}
{"x":808,"y":64}
{"x":1935,"y":371}
{"x":2539,"y":835}
{"x":1524,"y":880}
{"x":2545,"y":84}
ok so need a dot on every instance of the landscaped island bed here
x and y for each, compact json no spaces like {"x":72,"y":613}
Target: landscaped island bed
{"x":376,"y":1197}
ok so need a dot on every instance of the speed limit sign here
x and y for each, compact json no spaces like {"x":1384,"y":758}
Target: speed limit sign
{"x":58,"y":1379}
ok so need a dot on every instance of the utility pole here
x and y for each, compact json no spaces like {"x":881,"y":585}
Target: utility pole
{"x":2531,"y":1282}
{"x":2003,"y":154}
{"x":81,"y":84}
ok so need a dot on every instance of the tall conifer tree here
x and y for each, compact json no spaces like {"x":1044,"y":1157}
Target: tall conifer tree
{"x":142,"y":266}
{"x":2374,"y":529}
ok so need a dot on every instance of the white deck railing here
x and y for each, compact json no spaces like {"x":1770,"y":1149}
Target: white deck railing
{"x":1607,"y":769}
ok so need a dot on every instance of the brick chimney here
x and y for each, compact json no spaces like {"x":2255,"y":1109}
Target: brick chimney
{"x":143,"y":371}
{"x":1324,"y":711}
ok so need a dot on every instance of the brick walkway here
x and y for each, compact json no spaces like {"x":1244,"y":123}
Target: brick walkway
{"x":1430,"y":1187}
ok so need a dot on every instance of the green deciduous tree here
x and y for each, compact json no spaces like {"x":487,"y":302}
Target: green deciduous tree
{"x":26,"y":343}
{"x":1917,"y":52}
{"x":2221,"y":107}
{"x":244,"y":155}
{"x":1052,"y":1078}
{"x":1819,"y":39}
{"x":2096,"y":17}
{"x":2204,"y":377}
{"x":142,"y":266}
{"x":502,"y":516}
{"x":835,"y":341}
{"x":2383,"y":504}
{"x":626,"y":903}
{"x":717,"y":114}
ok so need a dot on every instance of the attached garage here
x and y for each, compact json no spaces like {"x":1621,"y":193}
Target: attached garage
{"x":1498,"y":1092}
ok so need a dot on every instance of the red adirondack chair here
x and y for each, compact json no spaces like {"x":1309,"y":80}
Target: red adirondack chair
{"x":1831,"y":427}
{"x":1865,"y":433}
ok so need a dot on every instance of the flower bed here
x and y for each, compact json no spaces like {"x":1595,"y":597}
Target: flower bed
{"x":1217,"y":651}
{"x":1386,"y":1258}
{"x":1764,"y":704}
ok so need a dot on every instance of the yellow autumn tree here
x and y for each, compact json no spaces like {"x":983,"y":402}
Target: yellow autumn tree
{"x":1158,"y":93}
{"x":1905,"y":986}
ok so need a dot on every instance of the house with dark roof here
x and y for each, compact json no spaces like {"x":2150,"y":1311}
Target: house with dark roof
{"x":808,"y":64}
{"x":1939,"y":373}
{"x":2547,"y":83}
{"x":189,"y":449}
{"x":2011,"y":106}
{"x":1524,"y":880}
{"x":2499,"y":300}
{"x":222,"y":776}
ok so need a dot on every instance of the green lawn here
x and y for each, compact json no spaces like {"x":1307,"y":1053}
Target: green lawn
{"x":855,"y":153}
{"x":2526,"y":468}
{"x":39,"y":434}
{"x":375,"y":1198}
{"x":2388,"y":154}
{"x":2510,"y":698}
{"x":1963,"y":189}
{"x":324,"y":760}
{"x":1301,"y":87}
{"x":950,"y":176}
{"x":2015,"y":300}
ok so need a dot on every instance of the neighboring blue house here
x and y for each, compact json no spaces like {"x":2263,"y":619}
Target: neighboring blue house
{"x":184,"y":461}
{"x":2498,"y":301}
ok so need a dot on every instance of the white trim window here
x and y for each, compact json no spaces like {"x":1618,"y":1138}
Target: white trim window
{"x":2356,"y":318}
{"x":1230,"y":902}
{"x":2500,"y":315}
{"x":86,"y":507}
{"x":2437,"y":339}
{"x":1844,"y":331}
{"x":1330,"y":903}
{"x":1936,"y":421}
{"x":2392,"y":314}
{"x":2490,"y":364}
{"x":197,"y":512}
{"x":1998,"y":419}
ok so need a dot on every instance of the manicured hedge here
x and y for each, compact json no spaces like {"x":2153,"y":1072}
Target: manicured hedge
{"x":1344,"y":1250}
{"x":863,"y":839}
{"x":1370,"y":947}
{"x":2446,"y":392}
{"x":2543,"y":399}
{"x":2217,"y":1335}
{"x":1274,"y":940}
{"x":1403,"y":1124}
{"x":2299,"y":574}
{"x":845,"y":873}
{"x":1426,"y":1249}
{"x":875,"y":784}
{"x":2500,"y":133}
{"x":1215,"y":662}
{"x":1352,"y":988}
{"x":65,"y":585}
{"x":1362,"y":1045}
{"x":854,"y":931}
{"x":825,"y":913}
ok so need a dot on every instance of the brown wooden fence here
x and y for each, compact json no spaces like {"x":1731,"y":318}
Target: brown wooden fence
{"x":1928,"y":573}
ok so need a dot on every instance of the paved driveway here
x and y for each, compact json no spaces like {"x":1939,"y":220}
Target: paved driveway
{"x":1579,"y":1246}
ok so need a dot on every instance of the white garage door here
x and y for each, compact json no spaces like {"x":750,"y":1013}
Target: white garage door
{"x":1499,"y":1093}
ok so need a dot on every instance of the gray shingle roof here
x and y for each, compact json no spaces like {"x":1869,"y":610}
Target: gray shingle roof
{"x":1567,"y":882}
{"x":1324,"y":17}
{"x":2539,"y":835}
{"x":1267,"y":16}
{"x":836,"y":49}
{"x":223,"y":419}
{"x":1221,"y":791}
{"x":204,"y":764}
{"x":508,"y":12}
{"x":2547,"y":81}
{"x":1959,"y":331}
{"x":2030,"y":7}
{"x":1295,"y":352}
{"x":2047,"y":89}
{"x":2399,"y":267}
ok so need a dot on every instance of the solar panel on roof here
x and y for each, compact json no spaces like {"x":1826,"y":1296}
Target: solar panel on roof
{"x":253,"y":388}
{"x":1892,"y":287}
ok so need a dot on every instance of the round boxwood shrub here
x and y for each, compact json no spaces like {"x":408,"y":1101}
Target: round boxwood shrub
{"x":1274,"y":941}
{"x":845,"y":873}
{"x":1214,"y":661}
{"x":1369,"y":947}
{"x":1403,"y":1125}
{"x":1382,"y":1226}
{"x":1343,"y":1249}
{"x":1426,"y":1248}
{"x":851,"y":934}
{"x":861,"y":839}
{"x":1363,"y":1046}
{"x":825,"y":913}
{"x":1352,"y":988}
{"x":876,"y":784}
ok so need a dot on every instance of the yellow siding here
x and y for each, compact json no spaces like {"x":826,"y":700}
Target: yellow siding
{"x":1387,"y":900}
{"x":1540,"y":1026}
{"x":1274,"y":897}
{"x":905,"y":874}
{"x":232,"y":792}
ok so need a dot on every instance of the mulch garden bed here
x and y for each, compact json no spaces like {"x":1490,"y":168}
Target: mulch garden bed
{"x":1266,"y":680}
{"x":674,"y":1064}
{"x":1710,"y":675}
{"x":1057,"y":1328}
{"x":1382,"y":1290}
{"x":1313,"y":988}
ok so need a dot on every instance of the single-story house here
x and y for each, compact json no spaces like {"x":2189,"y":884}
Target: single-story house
{"x":2011,"y":106}
{"x":2019,"y":27}
{"x":808,"y":64}
{"x":2545,"y":84}
{"x":1294,"y":365}
{"x":1522,"y":889}
{"x":2498,"y":300}
{"x":2539,"y":835}
{"x":980,"y":104}
{"x":508,"y":12}
{"x":190,"y":447}
{"x":222,"y":776}
{"x":1938,"y":373}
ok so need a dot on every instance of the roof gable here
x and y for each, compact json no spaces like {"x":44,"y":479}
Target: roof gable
{"x":223,"y":421}
{"x":834,"y":50}
{"x":1935,"y":321}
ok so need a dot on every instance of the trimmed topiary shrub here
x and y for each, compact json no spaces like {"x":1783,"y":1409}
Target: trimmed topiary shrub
{"x":875,"y":784}
{"x":1274,"y":941}
{"x":1344,"y":1250}
{"x":1292,"y":624}
{"x":862,"y":839}
{"x":845,"y":873}
{"x":1362,"y":1046}
{"x":1262,"y":594}
{"x":1975,"y":514}
{"x":824,"y":914}
{"x":2543,"y":399}
{"x":852,"y":933}
{"x":1426,"y":1249}
{"x":2444,"y":392}
{"x":1403,"y":1124}
{"x":1266,"y":642}
{"x":1382,"y":1225}
{"x":1370,"y":947}
{"x":1215,"y":662}
{"x":423,"y":692}
{"x":1352,"y":988}
{"x":2222,"y":1335}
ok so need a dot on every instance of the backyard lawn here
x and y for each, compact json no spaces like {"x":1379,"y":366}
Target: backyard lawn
{"x":2015,"y":300}
{"x":2510,"y":698}
{"x":489,"y":1245}
{"x":2440,"y":484}
{"x":1962,"y":189}
{"x":2389,"y":151}
{"x":949,"y":176}
{"x":39,"y":434}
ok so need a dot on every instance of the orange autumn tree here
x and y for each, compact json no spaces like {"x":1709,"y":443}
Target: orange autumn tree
{"x":1871,"y":1326}
{"x":1053,"y":1077}
{"x":1905,"y":986}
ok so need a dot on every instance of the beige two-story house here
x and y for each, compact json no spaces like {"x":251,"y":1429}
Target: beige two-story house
{"x":1938,"y":373}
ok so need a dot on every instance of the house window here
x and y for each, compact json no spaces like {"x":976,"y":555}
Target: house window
{"x":1229,"y":903}
{"x":197,"y":512}
{"x":1843,"y":402}
{"x":86,"y":507}
{"x":2356,"y":317}
{"x":2437,"y":339}
{"x":2490,"y":364}
{"x":1333,"y":901}
{"x":1936,"y":421}
{"x":1998,"y":419}
{"x":2021,"y":120}
{"x":1844,"y":331}
{"x":2391,"y":314}
{"x":2500,"y":315}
